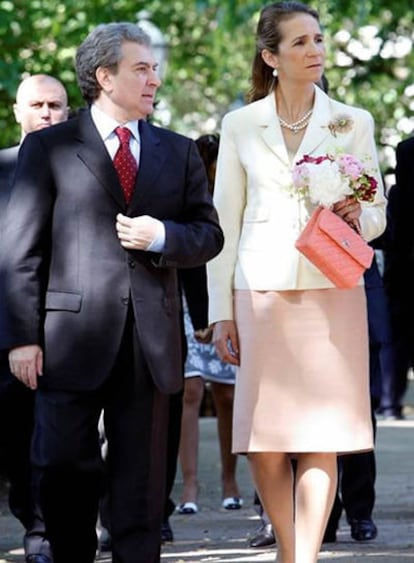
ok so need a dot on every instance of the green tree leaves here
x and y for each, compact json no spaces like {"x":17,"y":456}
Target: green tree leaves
{"x":211,"y":46}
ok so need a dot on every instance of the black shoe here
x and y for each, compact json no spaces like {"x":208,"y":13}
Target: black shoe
{"x":392,"y":414}
{"x":38,"y":558}
{"x":166,"y":532}
{"x":264,"y":537}
{"x":363,"y":530}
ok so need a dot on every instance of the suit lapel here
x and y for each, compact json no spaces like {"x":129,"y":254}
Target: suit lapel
{"x":94,"y":155}
{"x":150,"y":163}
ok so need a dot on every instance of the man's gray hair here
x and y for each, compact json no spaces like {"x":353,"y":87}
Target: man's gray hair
{"x":102,"y":47}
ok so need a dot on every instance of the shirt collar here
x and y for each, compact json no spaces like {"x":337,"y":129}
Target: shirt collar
{"x":106,"y":124}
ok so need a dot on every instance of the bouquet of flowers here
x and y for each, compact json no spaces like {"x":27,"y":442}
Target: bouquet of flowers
{"x":327,"y":179}
{"x":334,"y":246}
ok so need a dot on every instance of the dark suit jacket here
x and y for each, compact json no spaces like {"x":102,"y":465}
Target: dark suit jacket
{"x":69,"y":281}
{"x":399,"y":270}
{"x":8,"y":160}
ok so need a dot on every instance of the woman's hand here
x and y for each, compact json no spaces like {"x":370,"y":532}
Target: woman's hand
{"x":349,"y":209}
{"x":226,"y":342}
{"x":203,"y":335}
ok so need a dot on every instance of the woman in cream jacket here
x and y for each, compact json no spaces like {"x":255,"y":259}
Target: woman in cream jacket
{"x":301,"y":344}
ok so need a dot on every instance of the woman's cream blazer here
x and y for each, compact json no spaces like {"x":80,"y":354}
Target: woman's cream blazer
{"x":259,"y":212}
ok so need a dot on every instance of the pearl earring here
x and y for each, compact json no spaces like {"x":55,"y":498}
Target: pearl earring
{"x":274,"y":72}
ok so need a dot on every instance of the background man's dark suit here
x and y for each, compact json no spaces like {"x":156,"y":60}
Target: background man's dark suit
{"x":103,"y":315}
{"x":16,"y":407}
{"x":399,"y":267}
{"x":8,"y":159}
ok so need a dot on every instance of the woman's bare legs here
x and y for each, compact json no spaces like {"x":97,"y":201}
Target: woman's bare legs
{"x":298,"y":524}
{"x":188,"y":452}
{"x":223,"y":395}
{"x":316,"y":481}
{"x":273,"y":478}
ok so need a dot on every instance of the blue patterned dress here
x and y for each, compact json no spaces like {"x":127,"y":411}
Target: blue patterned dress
{"x":202,"y":359}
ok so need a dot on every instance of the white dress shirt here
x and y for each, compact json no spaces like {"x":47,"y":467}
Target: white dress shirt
{"x":106,"y":126}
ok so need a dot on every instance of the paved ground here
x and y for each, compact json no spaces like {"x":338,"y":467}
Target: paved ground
{"x":220,"y":536}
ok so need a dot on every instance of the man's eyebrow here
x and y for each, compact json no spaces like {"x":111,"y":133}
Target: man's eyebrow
{"x":48,"y":102}
{"x":146,"y":64}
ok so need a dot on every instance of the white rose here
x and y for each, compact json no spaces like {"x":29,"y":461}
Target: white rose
{"x":326,"y":185}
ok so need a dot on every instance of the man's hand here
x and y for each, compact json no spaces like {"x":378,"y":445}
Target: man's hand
{"x":26,"y":363}
{"x":136,"y":233}
{"x":226,"y":342}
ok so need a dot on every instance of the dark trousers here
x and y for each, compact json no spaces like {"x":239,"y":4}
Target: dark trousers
{"x":66,"y":449}
{"x":395,"y":380}
{"x":16,"y":428}
{"x":174,"y":431}
{"x":388,"y":351}
{"x":174,"y":434}
{"x":174,"y":427}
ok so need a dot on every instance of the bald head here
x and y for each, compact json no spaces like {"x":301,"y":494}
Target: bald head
{"x":41,"y":101}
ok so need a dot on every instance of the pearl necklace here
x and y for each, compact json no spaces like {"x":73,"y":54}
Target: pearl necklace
{"x":297,"y":125}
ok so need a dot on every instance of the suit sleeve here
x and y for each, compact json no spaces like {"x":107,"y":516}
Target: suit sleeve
{"x":230,"y":200}
{"x":403,"y":198}
{"x":400,"y":255}
{"x":197,"y":237}
{"x":194,"y":285}
{"x":26,"y":244}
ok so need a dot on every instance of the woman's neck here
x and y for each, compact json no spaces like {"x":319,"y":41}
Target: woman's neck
{"x":293,"y":103}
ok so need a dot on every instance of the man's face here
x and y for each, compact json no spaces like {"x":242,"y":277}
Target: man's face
{"x":40,"y":103}
{"x":129,"y":94}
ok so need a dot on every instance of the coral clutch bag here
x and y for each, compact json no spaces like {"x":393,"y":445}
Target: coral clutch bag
{"x":335,"y":248}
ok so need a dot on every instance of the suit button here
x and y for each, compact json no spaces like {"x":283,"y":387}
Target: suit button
{"x":124,"y":300}
{"x":131,"y":263}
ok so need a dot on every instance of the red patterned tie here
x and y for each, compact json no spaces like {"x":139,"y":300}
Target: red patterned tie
{"x":125,"y":163}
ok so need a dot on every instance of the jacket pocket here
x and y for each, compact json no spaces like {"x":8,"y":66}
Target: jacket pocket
{"x":63,"y":301}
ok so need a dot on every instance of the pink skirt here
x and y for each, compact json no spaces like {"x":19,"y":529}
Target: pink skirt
{"x":303,"y":381}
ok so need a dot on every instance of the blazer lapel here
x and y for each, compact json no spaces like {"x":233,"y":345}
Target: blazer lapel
{"x":271,"y":130}
{"x":93,"y":153}
{"x":315,"y":135}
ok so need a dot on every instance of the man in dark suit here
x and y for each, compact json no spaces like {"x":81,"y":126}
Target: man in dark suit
{"x":41,"y":101}
{"x":398,"y":276}
{"x":93,"y":301}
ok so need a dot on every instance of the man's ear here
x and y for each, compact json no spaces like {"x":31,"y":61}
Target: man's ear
{"x":16,"y":113}
{"x":104,"y":78}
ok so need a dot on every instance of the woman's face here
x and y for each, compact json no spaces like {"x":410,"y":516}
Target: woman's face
{"x":301,"y":53}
